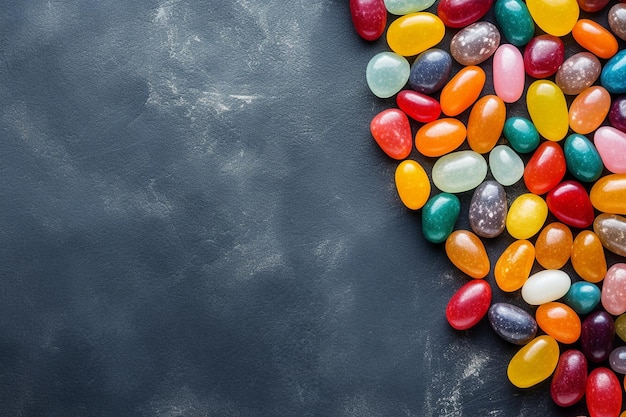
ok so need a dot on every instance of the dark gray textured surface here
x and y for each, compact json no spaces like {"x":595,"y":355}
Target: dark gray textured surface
{"x":195,"y":221}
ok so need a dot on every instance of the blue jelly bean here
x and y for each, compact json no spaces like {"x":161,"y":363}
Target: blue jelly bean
{"x":430,"y":71}
{"x":613,"y":76}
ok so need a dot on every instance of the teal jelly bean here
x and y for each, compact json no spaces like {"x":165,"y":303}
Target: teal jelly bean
{"x":515,"y":21}
{"x":582,"y":158}
{"x":613,"y":76}
{"x":583,"y":297}
{"x":521,"y":134}
{"x":439,"y":215}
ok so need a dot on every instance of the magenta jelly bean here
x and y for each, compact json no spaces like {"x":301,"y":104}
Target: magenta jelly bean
{"x":603,"y":393}
{"x":596,"y":336}
{"x":418,"y":106}
{"x":369,"y":18}
{"x":617,"y":114}
{"x":469,"y":304}
{"x":570,"y":378}
{"x":543,"y":56}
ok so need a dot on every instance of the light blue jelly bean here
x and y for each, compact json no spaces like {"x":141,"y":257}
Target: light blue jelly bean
{"x":387,"y":73}
{"x":613,"y":76}
{"x":506,"y":166}
{"x":583,"y":297}
{"x":459,"y":171}
{"x":402,"y":7}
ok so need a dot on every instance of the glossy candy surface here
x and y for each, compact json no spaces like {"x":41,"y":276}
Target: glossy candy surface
{"x":611,"y":229}
{"x":521,"y":134}
{"x":603,"y":393}
{"x":391,"y":130}
{"x":512,"y":323}
{"x":611,"y":145}
{"x":548,"y":109}
{"x":430,"y":71}
{"x":515,"y":21}
{"x":413,"y":33}
{"x":387,"y":73}
{"x":582,"y":158}
{"x":596,"y":337}
{"x":570,"y":378}
{"x":506,"y":166}
{"x":460,"y":13}
{"x":418,"y":106}
{"x":617,"y":20}
{"x":439,"y":215}
{"x":582,"y":297}
{"x":545,"y":169}
{"x":617,"y":114}
{"x":369,"y":18}
{"x":595,"y":38}
{"x":613,"y":75}
{"x":559,"y":321}
{"x":545,"y":286}
{"x":534,"y":362}
{"x":475,"y":43}
{"x":617,"y":360}
{"x":462,"y":90}
{"x":508,"y":73}
{"x":467,"y":252}
{"x":620,"y":327}
{"x":592,"y":5}
{"x":589,"y":109}
{"x":440,"y":137}
{"x":402,"y":7}
{"x":588,"y":259}
{"x":569,"y":202}
{"x":526,"y":216}
{"x":608,"y":194}
{"x":487,"y":210}
{"x":554,"y":246}
{"x":513,"y":267}
{"x":459,"y":171}
{"x":578,"y":72}
{"x":543,"y":55}
{"x":614,"y":290}
{"x":544,"y":14}
{"x":412,"y":184}
{"x":469,"y":304}
{"x":485,"y":123}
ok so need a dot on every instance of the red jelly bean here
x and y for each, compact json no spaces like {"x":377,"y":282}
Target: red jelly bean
{"x":545,"y":169}
{"x":570,"y":203}
{"x":469,"y":304}
{"x":418,"y":106}
{"x":369,"y":18}
{"x":543,"y":56}
{"x":460,"y":13}
{"x":392,"y":131}
{"x":570,"y":378}
{"x":604,"y":393}
{"x":592,"y":5}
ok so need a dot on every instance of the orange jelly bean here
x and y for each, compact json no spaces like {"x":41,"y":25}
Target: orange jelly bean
{"x":462,"y":90}
{"x":554,"y":246}
{"x":589,"y":109}
{"x":559,"y":321}
{"x":608,"y":194}
{"x":514,"y":265}
{"x":588,"y":258}
{"x":440,"y":137}
{"x":595,"y":38}
{"x":467,"y":252}
{"x":485,"y":124}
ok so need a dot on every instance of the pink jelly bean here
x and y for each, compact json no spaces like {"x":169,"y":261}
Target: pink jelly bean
{"x":604,"y":393}
{"x":611,"y":145}
{"x":508,"y":73}
{"x":614,"y":290}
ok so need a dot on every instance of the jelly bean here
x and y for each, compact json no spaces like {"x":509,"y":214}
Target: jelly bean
{"x":554,"y":246}
{"x":543,"y":56}
{"x":592,"y":5}
{"x":534,"y":363}
{"x":487,"y":210}
{"x":611,"y":229}
{"x":569,"y":202}
{"x":582,"y":297}
{"x":578,"y":73}
{"x":508,"y":73}
{"x":545,"y":286}
{"x":475,"y":43}
{"x":418,"y":106}
{"x":414,"y":33}
{"x":430,"y":71}
{"x":460,"y":13}
{"x":521,"y":134}
{"x":459,"y":171}
{"x":387,"y":73}
{"x":570,"y":378}
{"x":485,"y":123}
{"x":582,"y":158}
{"x":603,"y":393}
{"x":467,"y":252}
{"x":545,"y":169}
{"x":559,"y":321}
{"x":369,"y":18}
{"x":608,"y":194}
{"x":526,"y":216}
{"x":391,"y":129}
{"x":589,"y":109}
{"x":402,"y":7}
{"x":613,"y":75}
{"x":514,"y":265}
{"x":611,"y":145}
{"x":462,"y":90}
{"x":469,"y":304}
{"x":548,"y":109}
{"x":588,"y":259}
{"x":440,"y":137}
{"x":617,"y":360}
{"x":620,"y":327}
{"x":595,"y":38}
{"x":439,"y":215}
{"x":617,"y":20}
{"x":617,"y":114}
{"x":614,"y":290}
{"x":412,"y":184}
{"x":596,"y":336}
{"x":544,"y":12}
{"x":515,"y":21}
{"x":512,"y":323}
{"x":506,"y":166}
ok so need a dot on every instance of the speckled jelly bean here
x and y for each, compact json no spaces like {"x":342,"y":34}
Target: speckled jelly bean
{"x":603,"y":393}
{"x":439,"y":215}
{"x":515,"y":21}
{"x":475,"y":43}
{"x":487,"y":210}
{"x":608,"y":194}
{"x":588,"y":258}
{"x":391,"y":130}
{"x":617,"y":360}
{"x":508,"y":73}
{"x":440,"y":137}
{"x":611,"y":229}
{"x":506,"y":166}
{"x":469,"y":304}
{"x":554,"y":245}
{"x":614,"y":290}
{"x":460,"y":13}
{"x":578,"y":72}
{"x":512,"y":323}
{"x":369,"y":18}
{"x":387,"y":73}
{"x":459,"y":171}
{"x":414,"y":33}
{"x":592,"y":6}
{"x":548,"y":109}
{"x":617,"y":20}
{"x":513,"y":267}
{"x":589,"y":109}
{"x":570,"y":378}
{"x":521,"y":134}
{"x":544,"y":12}
{"x":543,"y":55}
{"x":611,"y":145}
{"x":534,"y":362}
{"x":430,"y":71}
{"x":613,"y":75}
{"x":545,"y":169}
{"x":569,"y":202}
{"x":596,"y":337}
{"x":467,"y":252}
{"x":545,"y":286}
{"x":418,"y":106}
{"x":595,"y":38}
{"x":485,"y":123}
{"x":412,"y":184}
{"x":582,"y":297}
{"x":620,"y":327}
{"x":582,"y":158}
{"x":526,"y":216}
{"x":617,"y":114}
{"x":402,"y":7}
{"x":462,"y":90}
{"x":559,"y":321}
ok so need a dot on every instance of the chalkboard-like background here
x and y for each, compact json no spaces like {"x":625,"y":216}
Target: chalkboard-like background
{"x":195,"y":221}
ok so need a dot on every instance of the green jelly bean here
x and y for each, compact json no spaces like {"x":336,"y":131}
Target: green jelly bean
{"x":521,"y":134}
{"x":439,"y":215}
{"x":582,"y":158}
{"x":515,"y":21}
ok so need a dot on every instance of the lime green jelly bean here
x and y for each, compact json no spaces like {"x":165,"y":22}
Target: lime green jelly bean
{"x":548,"y":109}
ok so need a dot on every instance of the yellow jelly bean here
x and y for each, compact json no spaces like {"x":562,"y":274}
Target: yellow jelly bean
{"x":554,"y":246}
{"x":556,"y":17}
{"x":548,"y":109}
{"x":534,"y":363}
{"x":462,"y":90}
{"x":440,"y":137}
{"x":412,"y":184}
{"x":526,"y":216}
{"x":608,"y":194}
{"x":414,"y":33}
{"x":514,"y":265}
{"x":588,"y":258}
{"x":559,"y":321}
{"x":467,"y":252}
{"x":485,"y":123}
{"x":589,"y":109}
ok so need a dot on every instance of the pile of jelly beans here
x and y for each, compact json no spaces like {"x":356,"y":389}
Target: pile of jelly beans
{"x":569,"y":152}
